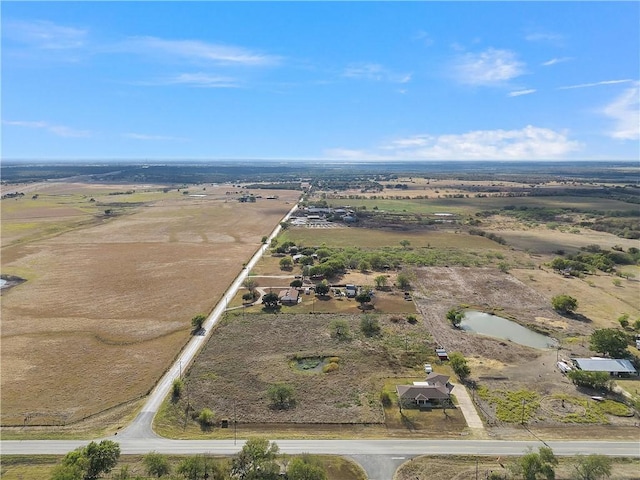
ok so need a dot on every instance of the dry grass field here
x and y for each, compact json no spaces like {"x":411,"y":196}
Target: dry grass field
{"x":465,"y":468}
{"x":247,"y":354}
{"x":108,"y":300}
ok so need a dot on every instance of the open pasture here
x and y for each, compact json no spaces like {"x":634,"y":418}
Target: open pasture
{"x":470,"y":204}
{"x":371,"y":238}
{"x":106,"y":307}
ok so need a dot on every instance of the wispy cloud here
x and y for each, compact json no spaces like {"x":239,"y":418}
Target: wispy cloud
{"x":548,"y":37}
{"x":424,"y":38}
{"x":625,"y":111}
{"x":375,"y":72}
{"x":555,"y":61}
{"x":198,"y":79}
{"x":153,"y":138}
{"x":196,"y":50}
{"x":519,"y":93}
{"x":595,"y":84}
{"x":529,"y":143}
{"x":44,"y":35}
{"x":59,"y":130}
{"x":489,"y":68}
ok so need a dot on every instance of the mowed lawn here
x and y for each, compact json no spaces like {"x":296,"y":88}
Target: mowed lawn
{"x":106,"y":307}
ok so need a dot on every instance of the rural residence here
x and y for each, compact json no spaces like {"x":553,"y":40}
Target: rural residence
{"x":434,"y":391}
{"x":289,"y":296}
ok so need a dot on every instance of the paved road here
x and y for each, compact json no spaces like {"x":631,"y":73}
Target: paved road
{"x":356,"y":447}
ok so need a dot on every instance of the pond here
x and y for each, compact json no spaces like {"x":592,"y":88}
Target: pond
{"x":498,"y":327}
{"x":3,"y":282}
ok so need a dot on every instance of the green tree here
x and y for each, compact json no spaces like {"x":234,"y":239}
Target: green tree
{"x":455,"y":316}
{"x":286,"y":263}
{"x":595,"y":380}
{"x":176,"y":388}
{"x":206,"y":418}
{"x":322,"y":288}
{"x":623,"y":320}
{"x":197,"y":322}
{"x":592,"y":467}
{"x":256,"y":460}
{"x":270,"y":300}
{"x":403,"y":281}
{"x":609,"y":341}
{"x":363,"y":298}
{"x":250,"y":284}
{"x":564,"y":304}
{"x":405,"y":244}
{"x":89,"y":462}
{"x":459,"y":365}
{"x":340,"y":330}
{"x":369,"y":325}
{"x":380,"y":281}
{"x":364,"y":266}
{"x":247,"y":297}
{"x":306,"y":467}
{"x":533,"y":466}
{"x":296,"y":283}
{"x":282,"y":396}
{"x":156,"y":464}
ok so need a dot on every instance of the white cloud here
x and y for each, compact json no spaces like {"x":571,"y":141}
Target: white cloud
{"x":196,"y":50}
{"x":423,"y":37}
{"x":153,"y":138}
{"x":625,"y":110}
{"x":489,"y":68}
{"x":44,"y":34}
{"x":554,"y":61}
{"x":544,"y":37}
{"x":59,"y":130}
{"x":203,"y":80}
{"x":529,"y":143}
{"x":518,"y":93}
{"x":595,"y":84}
{"x":375,"y":72}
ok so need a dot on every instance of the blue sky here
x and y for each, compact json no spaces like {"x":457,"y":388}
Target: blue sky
{"x":321,"y":80}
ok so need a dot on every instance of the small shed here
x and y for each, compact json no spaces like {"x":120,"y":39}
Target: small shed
{"x":441,"y":353}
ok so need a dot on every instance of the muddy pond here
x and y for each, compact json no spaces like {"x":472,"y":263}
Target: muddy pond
{"x":497,"y":327}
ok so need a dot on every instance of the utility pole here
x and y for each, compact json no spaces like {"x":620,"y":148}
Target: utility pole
{"x":523,"y":404}
{"x":235,"y":424}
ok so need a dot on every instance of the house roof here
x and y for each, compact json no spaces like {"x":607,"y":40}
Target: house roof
{"x":435,"y":386}
{"x":423,"y":392}
{"x":289,"y":295}
{"x":611,"y":365}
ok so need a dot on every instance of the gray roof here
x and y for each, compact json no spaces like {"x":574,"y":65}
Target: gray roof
{"x":611,"y":365}
{"x":438,"y":388}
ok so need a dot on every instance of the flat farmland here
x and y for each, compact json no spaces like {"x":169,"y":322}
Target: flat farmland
{"x":107,"y":302}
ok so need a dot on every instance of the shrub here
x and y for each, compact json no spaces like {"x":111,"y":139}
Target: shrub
{"x":412,"y":319}
{"x":340,"y":330}
{"x":330,"y":367}
{"x":564,"y":303}
{"x":177,"y":387}
{"x":206,"y":417}
{"x":370,"y":325}
{"x":282,"y":396}
{"x":385,"y":399}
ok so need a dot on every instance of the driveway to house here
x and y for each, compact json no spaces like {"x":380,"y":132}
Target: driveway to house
{"x":468,"y":409}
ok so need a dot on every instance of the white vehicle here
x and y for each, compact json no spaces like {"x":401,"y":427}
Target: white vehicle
{"x":428,"y":368}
